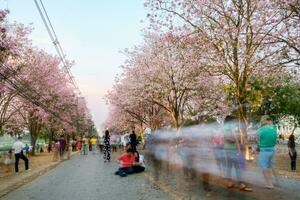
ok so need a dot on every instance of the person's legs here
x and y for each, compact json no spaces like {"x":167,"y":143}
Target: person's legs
{"x":138,"y":169}
{"x":229,"y":163}
{"x":293,"y":161}
{"x":61,"y":153}
{"x":223,"y":163}
{"x":265,"y":163}
{"x":25,"y":161}
{"x":133,"y":147}
{"x":268,"y":178}
{"x":295,"y":158}
{"x":94,"y":148}
{"x":108,"y":154}
{"x":128,"y":170}
{"x":85,"y":149}
{"x":55,"y":155}
{"x":124,"y":171}
{"x":17,"y":158}
{"x":236,"y":165}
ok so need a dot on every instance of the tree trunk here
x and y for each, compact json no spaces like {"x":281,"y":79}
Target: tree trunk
{"x":243,"y":122}
{"x":33,"y":142}
{"x":50,"y":140}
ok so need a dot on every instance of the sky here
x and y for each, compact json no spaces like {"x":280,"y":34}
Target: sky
{"x":92,"y":33}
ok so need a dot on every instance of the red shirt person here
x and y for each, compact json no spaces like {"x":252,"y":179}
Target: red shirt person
{"x":127,"y":160}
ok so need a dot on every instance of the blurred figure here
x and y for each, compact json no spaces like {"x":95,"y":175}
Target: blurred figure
{"x":79,"y":145}
{"x":94,"y":144}
{"x":62,"y":147}
{"x":292,"y":152}
{"x":90,"y":143}
{"x":74,"y":145}
{"x":133,"y":141}
{"x":106,"y":153}
{"x":55,"y":150}
{"x":232,"y":151}
{"x":69,"y":147}
{"x":218,"y":148}
{"x":154,"y":155}
{"x":186,"y":151}
{"x":203,"y":154}
{"x":267,"y":137}
{"x":85,"y":144}
{"x":113,"y":142}
{"x":101,"y":144}
{"x":8,"y":161}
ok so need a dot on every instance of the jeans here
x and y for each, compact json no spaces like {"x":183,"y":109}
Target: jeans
{"x":19,"y":156}
{"x":293,"y":160}
{"x":124,"y":171}
{"x":232,"y":160}
{"x":220,"y":159}
{"x":133,"y":147}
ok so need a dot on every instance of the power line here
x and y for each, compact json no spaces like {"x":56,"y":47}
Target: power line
{"x":49,"y":27}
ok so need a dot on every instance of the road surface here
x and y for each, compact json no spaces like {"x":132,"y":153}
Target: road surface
{"x":87,"y":178}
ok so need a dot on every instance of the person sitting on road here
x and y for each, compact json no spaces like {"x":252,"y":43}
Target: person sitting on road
{"x":127,"y":161}
{"x":139,"y":165}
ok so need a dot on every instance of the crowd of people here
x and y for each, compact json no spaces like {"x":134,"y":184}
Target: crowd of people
{"x":218,"y":150}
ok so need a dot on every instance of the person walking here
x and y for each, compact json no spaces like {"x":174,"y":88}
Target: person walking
{"x":232,"y":151}
{"x":292,"y":152}
{"x":133,"y":141}
{"x":90,"y":143}
{"x":267,"y":139}
{"x":106,"y":153}
{"x":18,"y":147}
{"x":85,"y":146}
{"x":62,"y":146}
{"x":79,"y":145}
{"x":94,"y":144}
{"x":218,"y":147}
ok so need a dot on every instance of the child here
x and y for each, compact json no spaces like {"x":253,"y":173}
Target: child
{"x":79,"y":145}
{"x":55,"y":150}
{"x":126,"y":160}
{"x":85,"y":146}
{"x":8,"y":161}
